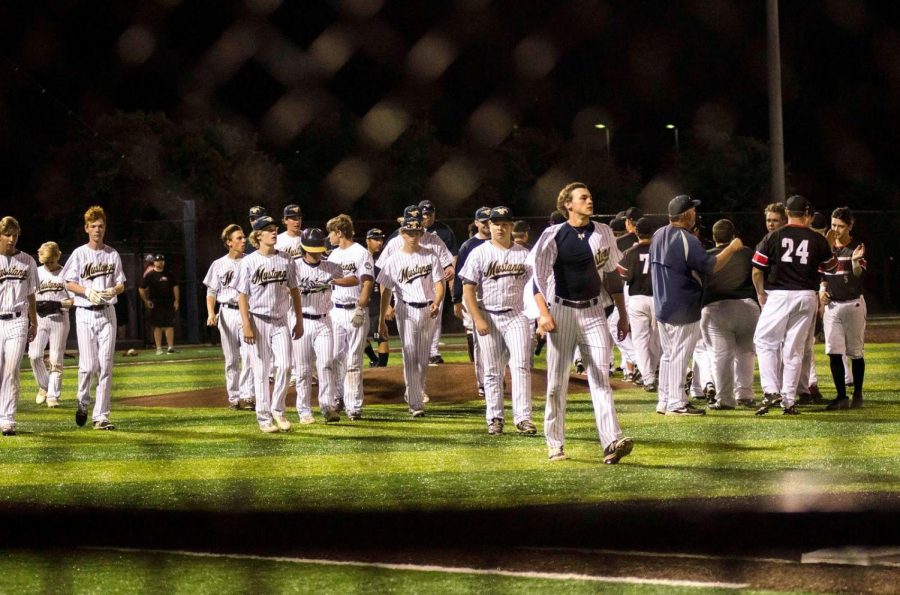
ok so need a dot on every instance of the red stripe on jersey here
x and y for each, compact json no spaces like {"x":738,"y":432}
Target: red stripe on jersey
{"x":829,"y":264}
{"x":760,"y":259}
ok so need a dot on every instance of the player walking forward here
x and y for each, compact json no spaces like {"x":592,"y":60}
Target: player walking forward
{"x":288,"y":243}
{"x":94,"y":274}
{"x":18,"y":319}
{"x":413,"y":274}
{"x":315,"y":277}
{"x":786,"y":275}
{"x":497,"y":270}
{"x":267,"y":287}
{"x":350,"y":314}
{"x":220,"y":292}
{"x":571,"y":262}
{"x":53,"y":303}
{"x":634,"y":268}
{"x":845,"y":310}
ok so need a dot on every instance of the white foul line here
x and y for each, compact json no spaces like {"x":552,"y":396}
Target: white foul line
{"x":560,"y":576}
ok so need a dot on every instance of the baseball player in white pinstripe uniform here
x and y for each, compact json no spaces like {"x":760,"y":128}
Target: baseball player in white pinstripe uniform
{"x":18,"y":319}
{"x":267,"y":286}
{"x":53,"y":303}
{"x":94,"y":274}
{"x":413,"y":274}
{"x":315,"y":277}
{"x":350,"y":316}
{"x":288,"y":243}
{"x":428,"y":241}
{"x":498,"y":269}
{"x":571,"y":263}
{"x":221,"y":293}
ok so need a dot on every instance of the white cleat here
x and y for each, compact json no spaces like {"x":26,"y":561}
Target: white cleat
{"x":52,"y":402}
{"x":41,"y":396}
{"x":283,"y":424}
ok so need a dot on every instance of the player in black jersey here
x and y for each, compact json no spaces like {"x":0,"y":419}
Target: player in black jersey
{"x":634,"y":268}
{"x":786,"y":264}
{"x":845,"y":310}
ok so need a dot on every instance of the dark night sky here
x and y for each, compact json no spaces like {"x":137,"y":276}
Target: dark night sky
{"x":636,"y":64}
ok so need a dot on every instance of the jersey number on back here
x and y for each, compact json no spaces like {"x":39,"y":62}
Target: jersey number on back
{"x":802,"y":250}
{"x":645,"y":258}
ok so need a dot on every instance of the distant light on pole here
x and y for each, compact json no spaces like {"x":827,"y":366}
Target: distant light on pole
{"x":674,"y":128}
{"x":606,"y":130}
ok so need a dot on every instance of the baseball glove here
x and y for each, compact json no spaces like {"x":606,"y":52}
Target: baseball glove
{"x":47,"y":308}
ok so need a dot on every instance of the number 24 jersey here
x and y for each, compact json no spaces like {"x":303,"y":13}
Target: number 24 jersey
{"x":793,"y":258}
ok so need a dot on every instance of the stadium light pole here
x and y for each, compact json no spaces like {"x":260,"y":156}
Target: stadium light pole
{"x":776,"y":127}
{"x":674,"y":129}
{"x":189,"y":227}
{"x":605,"y":129}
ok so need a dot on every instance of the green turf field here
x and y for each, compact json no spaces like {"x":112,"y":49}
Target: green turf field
{"x":217,"y":459}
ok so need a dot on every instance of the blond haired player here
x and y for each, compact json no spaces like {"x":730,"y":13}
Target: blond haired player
{"x":350,"y":316}
{"x":94,"y":274}
{"x":220,"y":293}
{"x":18,"y":324}
{"x":53,"y":303}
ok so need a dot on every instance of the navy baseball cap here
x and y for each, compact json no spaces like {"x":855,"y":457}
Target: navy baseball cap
{"x":521,"y":226}
{"x":681,"y":204}
{"x":819,"y":221}
{"x":633,"y":213}
{"x":257,"y":212}
{"x":483,"y":214}
{"x":292,"y":211}
{"x":374,"y":233}
{"x":644,"y":226}
{"x":427,"y":206}
{"x":412,"y":211}
{"x":263,"y":222}
{"x":617,"y":224}
{"x":312,"y":239}
{"x":412,"y":219}
{"x":501,"y":214}
{"x":159,"y":257}
{"x":797,"y":204}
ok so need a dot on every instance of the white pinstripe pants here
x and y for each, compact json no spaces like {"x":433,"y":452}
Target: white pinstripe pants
{"x":52,"y":330}
{"x":508,"y":342}
{"x":476,"y":349}
{"x":677,"y":342}
{"x":238,"y":364}
{"x":317,"y":343}
{"x":644,"y":335}
{"x":13,"y":337}
{"x":416,"y":329}
{"x":586,"y":328}
{"x":96,"y":331}
{"x":728,"y":326}
{"x":349,"y":345}
{"x":272,"y":347}
{"x":626,"y":347}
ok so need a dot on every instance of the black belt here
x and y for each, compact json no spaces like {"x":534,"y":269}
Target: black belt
{"x":498,"y":311}
{"x":577,"y":303}
{"x":98,"y":307}
{"x":10,"y":316}
{"x":418,"y":304}
{"x":314,"y":316}
{"x":345,"y":306}
{"x":231,"y":306}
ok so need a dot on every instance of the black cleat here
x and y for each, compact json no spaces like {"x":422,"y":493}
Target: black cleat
{"x":80,"y":415}
{"x":435,"y":360}
{"x":857,"y":402}
{"x":719,"y":406}
{"x":688,"y":409}
{"x":838,"y":405}
{"x":613,"y":453}
{"x":792,"y":410}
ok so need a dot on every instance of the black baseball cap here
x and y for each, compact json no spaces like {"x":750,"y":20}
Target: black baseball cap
{"x":617,"y":224}
{"x":644,"y":226}
{"x":521,"y":226}
{"x":412,"y":224}
{"x":681,"y":204}
{"x":292,"y":211}
{"x":412,"y":211}
{"x":633,"y":213}
{"x":159,"y":257}
{"x":374,"y":233}
{"x":257,"y":212}
{"x":819,"y":221}
{"x":501,"y":214}
{"x":312,"y":239}
{"x":797,"y":204}
{"x":263,"y":222}
{"x":427,"y":206}
{"x":483,"y":214}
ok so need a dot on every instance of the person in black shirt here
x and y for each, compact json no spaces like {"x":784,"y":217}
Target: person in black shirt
{"x":160,"y":294}
{"x":786,"y":275}
{"x":845,"y":310}
{"x":728,"y":321}
{"x":634,"y":268}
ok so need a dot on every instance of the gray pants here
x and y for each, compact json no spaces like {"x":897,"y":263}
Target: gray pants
{"x":727,"y":327}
